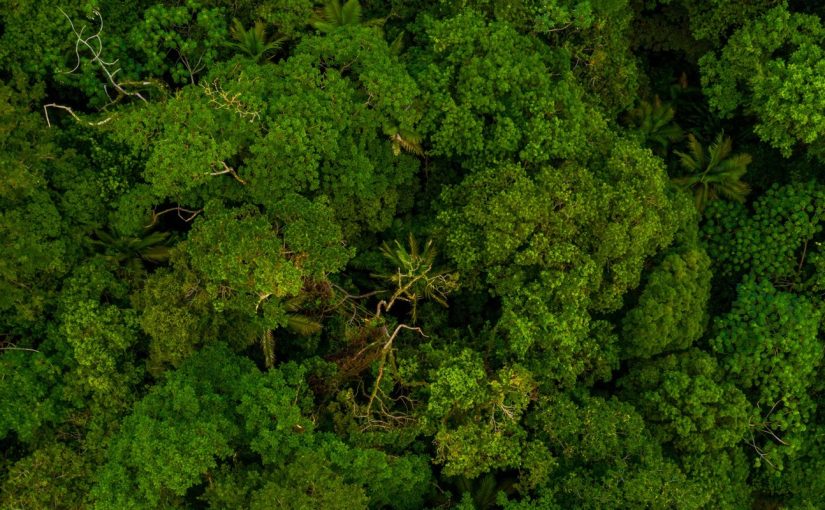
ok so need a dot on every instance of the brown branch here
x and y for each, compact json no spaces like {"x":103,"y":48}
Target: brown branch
{"x":386,"y":351}
{"x":179,"y":209}
{"x":802,"y":259}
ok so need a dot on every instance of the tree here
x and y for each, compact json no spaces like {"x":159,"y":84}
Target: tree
{"x":477,"y":416}
{"x":686,"y":403}
{"x":713,"y":172}
{"x":672,"y":310}
{"x":414,"y":276}
{"x":654,"y":123}
{"x":540,"y":243}
{"x":584,"y":432}
{"x":773,"y":241}
{"x":768,"y":68}
{"x":333,"y":15}
{"x":254,"y":42}
{"x":218,"y":408}
{"x":753,"y":343}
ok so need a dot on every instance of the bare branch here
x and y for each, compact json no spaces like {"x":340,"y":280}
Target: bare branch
{"x":228,"y":170}
{"x":94,"y":45}
{"x":191,"y":215}
{"x":73,"y":114}
{"x":18,"y":349}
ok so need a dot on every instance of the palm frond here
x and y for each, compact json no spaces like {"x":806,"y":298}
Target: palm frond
{"x":332,"y":15}
{"x":254,"y":42}
{"x":714,"y":172}
{"x":302,"y":324}
{"x":351,"y":13}
{"x":654,"y":121}
{"x":268,"y":348}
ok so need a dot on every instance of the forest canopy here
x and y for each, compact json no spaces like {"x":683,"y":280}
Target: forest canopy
{"x":396,"y":254}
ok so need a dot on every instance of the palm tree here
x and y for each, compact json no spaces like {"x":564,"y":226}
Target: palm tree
{"x":715,"y":172}
{"x":154,"y":247}
{"x":254,"y":42}
{"x":654,"y":121}
{"x":415,"y":276}
{"x":333,"y":15}
{"x":296,"y":322}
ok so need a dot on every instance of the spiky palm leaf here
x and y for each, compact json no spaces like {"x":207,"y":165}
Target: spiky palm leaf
{"x":296,"y":322}
{"x":268,"y":348}
{"x":408,"y":141}
{"x":714,"y":172}
{"x":333,"y":15}
{"x":415,"y":276}
{"x":654,"y":121}
{"x":154,"y":247}
{"x":254,"y":42}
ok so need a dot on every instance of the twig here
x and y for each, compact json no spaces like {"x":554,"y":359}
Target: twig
{"x":13,"y":348}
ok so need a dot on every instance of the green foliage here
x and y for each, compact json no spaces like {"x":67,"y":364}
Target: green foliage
{"x":715,"y":172}
{"x":672,"y":309}
{"x":333,"y":15}
{"x":153,"y":247}
{"x":192,"y":32}
{"x":54,"y":476}
{"x":686,"y":404}
{"x":29,"y":395}
{"x":771,"y":242}
{"x":769,"y":67}
{"x":477,"y":417}
{"x":495,"y":95}
{"x":100,"y":333}
{"x":768,"y":346}
{"x":202,"y":305}
{"x":218,"y":405}
{"x":550,"y":254}
{"x":585,"y":432}
{"x":414,"y":278}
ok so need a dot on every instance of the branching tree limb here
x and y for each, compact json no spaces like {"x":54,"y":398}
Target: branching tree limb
{"x":94,"y":44}
{"x":190,"y":215}
{"x":228,"y":170}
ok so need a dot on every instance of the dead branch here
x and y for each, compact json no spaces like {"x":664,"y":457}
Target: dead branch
{"x":94,"y":45}
{"x":192,"y":214}
{"x":12,"y":348}
{"x":221,"y":100}
{"x":73,"y":114}
{"x":228,"y":170}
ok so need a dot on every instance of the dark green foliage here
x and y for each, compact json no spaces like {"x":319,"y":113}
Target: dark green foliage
{"x":769,"y":67}
{"x":398,"y":254}
{"x":768,"y":346}
{"x":413,"y":275}
{"x":686,"y":404}
{"x":334,"y":15}
{"x":772,"y":242}
{"x":654,"y":123}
